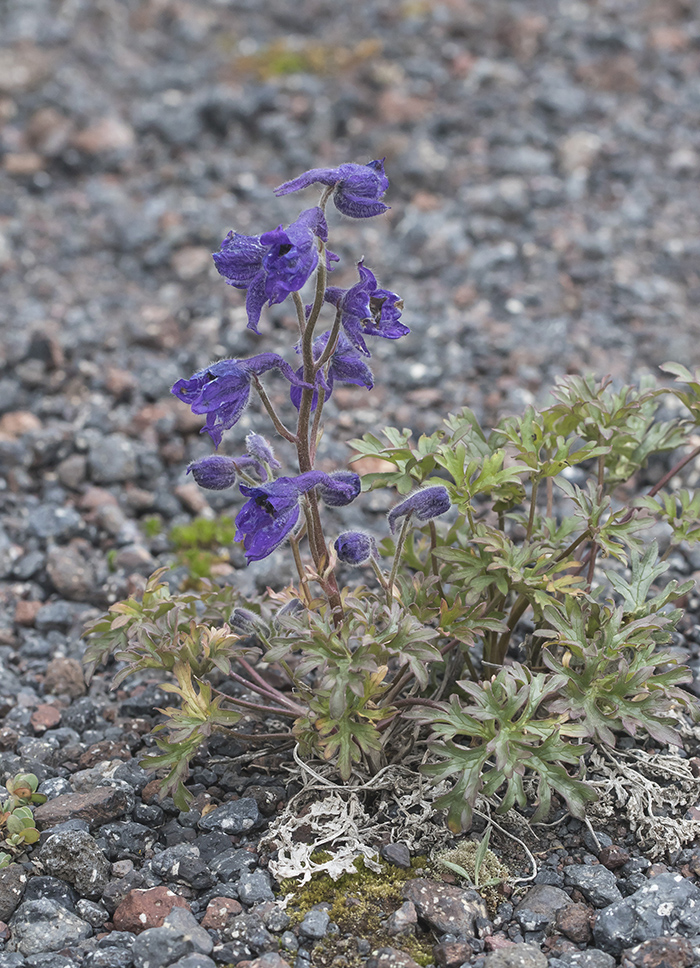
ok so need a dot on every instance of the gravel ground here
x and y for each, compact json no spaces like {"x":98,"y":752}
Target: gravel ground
{"x":544,"y":160}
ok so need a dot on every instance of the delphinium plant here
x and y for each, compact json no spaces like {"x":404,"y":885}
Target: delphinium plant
{"x":512,"y":607}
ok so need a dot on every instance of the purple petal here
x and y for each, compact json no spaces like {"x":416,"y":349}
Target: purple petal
{"x":239,"y":259}
{"x":320,"y":176}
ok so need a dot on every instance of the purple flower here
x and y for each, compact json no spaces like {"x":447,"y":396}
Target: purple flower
{"x":355,"y":547}
{"x":222,"y":390}
{"x":272,"y":510}
{"x":273,"y":265}
{"x":345,"y":366}
{"x":339,"y":488}
{"x":366,"y":310}
{"x":425,"y":504}
{"x":217,"y":472}
{"x":357,"y":188}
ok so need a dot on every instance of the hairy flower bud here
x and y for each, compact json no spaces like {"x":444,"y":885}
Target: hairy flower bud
{"x":216,"y":473}
{"x":339,"y":488}
{"x":245,"y":622}
{"x":260,"y":448}
{"x":355,"y":547}
{"x":425,"y":504}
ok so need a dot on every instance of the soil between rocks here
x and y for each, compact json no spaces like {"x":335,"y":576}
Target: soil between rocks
{"x":544,"y":162}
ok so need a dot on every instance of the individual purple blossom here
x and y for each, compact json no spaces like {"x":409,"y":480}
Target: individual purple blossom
{"x":425,"y":504}
{"x":222,"y":390}
{"x":216,"y":472}
{"x":345,"y":366}
{"x":367,"y":310}
{"x":275,"y":264}
{"x":357,"y":189}
{"x":272,"y":510}
{"x":355,"y":547}
{"x":261,"y":449}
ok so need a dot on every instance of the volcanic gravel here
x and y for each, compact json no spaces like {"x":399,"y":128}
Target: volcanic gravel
{"x":543,"y":159}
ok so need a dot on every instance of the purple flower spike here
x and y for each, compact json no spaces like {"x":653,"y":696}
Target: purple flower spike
{"x":222,"y":390}
{"x":366,"y":310}
{"x":358,"y":189}
{"x":272,"y":510}
{"x":275,"y":264}
{"x":355,"y":547}
{"x":345,"y":366}
{"x":428,"y":503}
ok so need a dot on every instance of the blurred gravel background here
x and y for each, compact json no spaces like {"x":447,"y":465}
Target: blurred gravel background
{"x":544,"y":160}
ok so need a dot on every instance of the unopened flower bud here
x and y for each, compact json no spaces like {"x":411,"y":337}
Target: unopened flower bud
{"x":245,"y":622}
{"x":340,"y":488}
{"x":355,"y":547}
{"x":260,"y":448}
{"x":216,"y":472}
{"x":293,"y":607}
{"x":425,"y":504}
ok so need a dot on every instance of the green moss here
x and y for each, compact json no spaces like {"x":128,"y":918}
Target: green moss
{"x":152,"y":525}
{"x":200,"y":544}
{"x":359,"y":903}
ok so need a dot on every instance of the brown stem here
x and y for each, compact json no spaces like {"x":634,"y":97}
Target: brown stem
{"x":263,"y":688}
{"x":258,"y":707}
{"x":674,"y":470}
{"x":279,"y":426}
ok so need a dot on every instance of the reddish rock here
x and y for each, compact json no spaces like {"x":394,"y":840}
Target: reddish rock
{"x":64,"y":677}
{"x":575,"y":921}
{"x":18,"y":422}
{"x":497,"y":941}
{"x":613,"y":857}
{"x":387,"y":958}
{"x":142,"y":909}
{"x":656,"y":869}
{"x":25,"y":612}
{"x":219,"y":912}
{"x":108,"y":749}
{"x":451,"y":954}
{"x":659,"y":953}
{"x":97,"y":807}
{"x":107,"y":134}
{"x":45,"y":717}
{"x":402,"y":921}
{"x":269,"y":960}
{"x":5,"y":932}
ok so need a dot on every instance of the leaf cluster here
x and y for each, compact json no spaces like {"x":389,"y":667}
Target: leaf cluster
{"x":529,"y":623}
{"x":16,"y":815}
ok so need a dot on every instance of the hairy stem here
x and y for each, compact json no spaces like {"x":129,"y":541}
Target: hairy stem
{"x":533,"y":508}
{"x":279,"y":426}
{"x":433,"y":559}
{"x":397,"y":556}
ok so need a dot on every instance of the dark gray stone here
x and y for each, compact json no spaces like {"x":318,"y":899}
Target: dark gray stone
{"x":603,"y":840}
{"x":539,"y":906}
{"x":232,"y":862}
{"x":397,"y":854}
{"x":234,"y":817}
{"x":45,"y":925}
{"x":517,"y":956}
{"x":112,"y":459}
{"x":597,"y":884}
{"x":254,"y":887}
{"x":666,"y":905}
{"x":590,"y":958}
{"x":249,"y":929}
{"x":75,"y":856}
{"x":314,"y":924}
{"x":179,"y":936}
{"x":13,"y":881}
